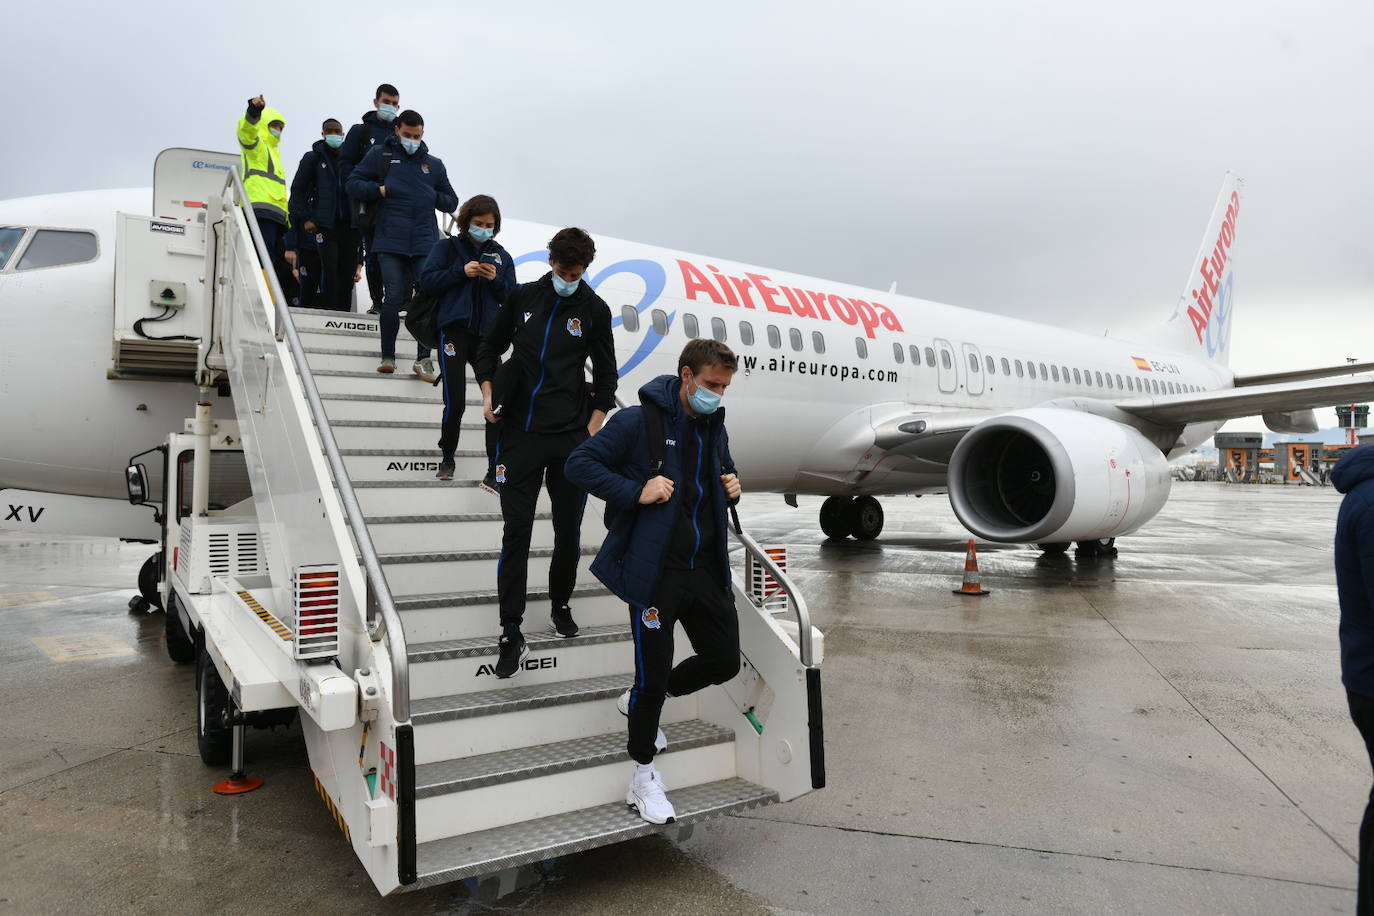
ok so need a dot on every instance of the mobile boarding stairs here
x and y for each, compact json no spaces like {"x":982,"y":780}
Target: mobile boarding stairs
{"x":356,"y":591}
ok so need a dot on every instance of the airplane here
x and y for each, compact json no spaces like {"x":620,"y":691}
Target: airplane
{"x":1039,"y":435}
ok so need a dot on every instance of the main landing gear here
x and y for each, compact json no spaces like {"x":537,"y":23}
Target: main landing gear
{"x":845,"y":516}
{"x":1103,"y":547}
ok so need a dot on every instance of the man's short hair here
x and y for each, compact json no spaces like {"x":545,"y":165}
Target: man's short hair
{"x":572,"y":247}
{"x":329,"y":121}
{"x":703,"y":351}
{"x":386,"y":89}
{"x":410,"y":118}
{"x":479,"y":205}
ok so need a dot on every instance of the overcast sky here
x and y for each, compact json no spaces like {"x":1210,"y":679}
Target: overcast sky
{"x":1056,"y":161}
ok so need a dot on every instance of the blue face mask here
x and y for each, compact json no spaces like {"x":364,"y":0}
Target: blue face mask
{"x":274,"y":132}
{"x":334,"y":140}
{"x":703,"y":401}
{"x":480,"y":235}
{"x":410,"y":146}
{"x":386,"y":112}
{"x":563,"y":287}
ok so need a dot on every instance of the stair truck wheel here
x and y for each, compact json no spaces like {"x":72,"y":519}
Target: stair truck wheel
{"x":148,"y":575}
{"x":180,"y":647}
{"x":864,"y":517}
{"x":833,"y":517}
{"x":1056,"y":548}
{"x":214,"y":734}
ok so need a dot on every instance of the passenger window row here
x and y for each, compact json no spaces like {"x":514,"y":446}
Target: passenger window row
{"x":47,"y":248}
{"x":1029,"y":368}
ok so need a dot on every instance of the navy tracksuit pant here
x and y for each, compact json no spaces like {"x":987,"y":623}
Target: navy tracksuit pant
{"x":699,"y":600}
{"x":457,"y":350}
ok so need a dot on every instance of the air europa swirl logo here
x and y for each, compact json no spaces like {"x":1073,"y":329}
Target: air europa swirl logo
{"x":1211,"y":314}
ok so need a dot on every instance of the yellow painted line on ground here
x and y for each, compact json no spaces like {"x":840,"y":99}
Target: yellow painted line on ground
{"x":19,"y":599}
{"x":82,"y":647}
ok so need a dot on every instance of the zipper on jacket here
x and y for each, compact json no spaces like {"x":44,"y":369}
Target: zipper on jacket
{"x":543,"y":370}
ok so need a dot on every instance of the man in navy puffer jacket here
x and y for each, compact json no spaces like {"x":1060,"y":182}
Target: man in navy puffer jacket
{"x":666,"y":553}
{"x":328,"y":249}
{"x":411,"y":184}
{"x":1354,"y":476}
{"x":472,"y":275}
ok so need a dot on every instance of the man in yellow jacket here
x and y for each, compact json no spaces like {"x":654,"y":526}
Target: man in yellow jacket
{"x":264,"y":178}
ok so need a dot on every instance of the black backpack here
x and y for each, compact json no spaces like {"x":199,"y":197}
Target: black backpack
{"x":364,"y":212}
{"x":653,"y":428}
{"x":422,"y":312}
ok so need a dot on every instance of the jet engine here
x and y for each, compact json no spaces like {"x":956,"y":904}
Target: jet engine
{"x":1048,"y":474}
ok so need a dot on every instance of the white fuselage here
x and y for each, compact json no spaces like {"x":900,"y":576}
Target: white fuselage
{"x":821,"y":363}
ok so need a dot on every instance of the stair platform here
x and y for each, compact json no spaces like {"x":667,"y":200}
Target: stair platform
{"x":488,"y":851}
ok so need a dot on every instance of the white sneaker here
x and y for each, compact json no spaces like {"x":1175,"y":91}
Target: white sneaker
{"x":623,"y":704}
{"x":424,"y":368}
{"x":646,"y":795}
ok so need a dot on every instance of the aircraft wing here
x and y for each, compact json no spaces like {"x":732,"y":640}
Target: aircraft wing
{"x":1301,"y":375}
{"x":1230,"y":403}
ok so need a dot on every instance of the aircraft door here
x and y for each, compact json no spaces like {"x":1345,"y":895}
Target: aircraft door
{"x":973,"y":370}
{"x":947,"y":366}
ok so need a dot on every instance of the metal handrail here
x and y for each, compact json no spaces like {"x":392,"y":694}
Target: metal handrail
{"x":751,"y":546}
{"x":372,"y":567}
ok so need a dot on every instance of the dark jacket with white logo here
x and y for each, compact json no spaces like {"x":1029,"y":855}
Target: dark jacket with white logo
{"x":317,"y":196}
{"x":416,"y":185}
{"x":1353,"y":475}
{"x":371,"y":132}
{"x":551,"y":339}
{"x":614,"y":465}
{"x":473,"y":301}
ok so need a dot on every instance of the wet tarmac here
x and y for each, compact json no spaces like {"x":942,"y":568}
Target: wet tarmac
{"x":1164,"y":731}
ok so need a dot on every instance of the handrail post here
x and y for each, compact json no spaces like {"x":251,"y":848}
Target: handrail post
{"x":385,"y":621}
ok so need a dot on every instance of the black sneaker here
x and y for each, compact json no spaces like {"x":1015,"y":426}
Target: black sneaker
{"x":514,"y":651}
{"x":563,"y":623}
{"x":373,"y":311}
{"x":489,"y":484}
{"x":445,"y":469}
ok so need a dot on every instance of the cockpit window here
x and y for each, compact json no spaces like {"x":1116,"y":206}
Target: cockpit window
{"x":55,"y":247}
{"x":10,"y":237}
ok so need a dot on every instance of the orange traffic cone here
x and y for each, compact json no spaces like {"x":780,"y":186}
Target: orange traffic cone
{"x":971,"y":585}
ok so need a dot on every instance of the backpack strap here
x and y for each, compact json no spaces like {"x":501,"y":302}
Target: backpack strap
{"x":653,"y":430}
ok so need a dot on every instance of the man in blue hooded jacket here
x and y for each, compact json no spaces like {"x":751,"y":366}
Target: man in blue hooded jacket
{"x":666,"y":553}
{"x":374,"y":127}
{"x":1354,"y":476}
{"x":327,"y":248}
{"x":410,"y":184}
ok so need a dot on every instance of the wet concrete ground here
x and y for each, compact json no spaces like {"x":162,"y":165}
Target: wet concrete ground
{"x":1160,"y":732}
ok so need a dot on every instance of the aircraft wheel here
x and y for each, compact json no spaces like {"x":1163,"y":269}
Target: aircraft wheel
{"x":833,"y":521}
{"x":147,"y":580}
{"x":180,"y":647}
{"x":214,"y":734}
{"x":864,"y":518}
{"x":1056,"y":548}
{"x":1102,"y":547}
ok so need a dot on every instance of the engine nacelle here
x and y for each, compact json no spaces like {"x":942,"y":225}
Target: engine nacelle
{"x":1047,"y":474}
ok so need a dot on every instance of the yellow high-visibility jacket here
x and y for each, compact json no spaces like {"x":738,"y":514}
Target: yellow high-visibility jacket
{"x":264,"y":178}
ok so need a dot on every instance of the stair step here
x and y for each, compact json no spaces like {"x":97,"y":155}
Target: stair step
{"x":513,"y":699}
{"x":360,"y":359}
{"x":401,"y":434}
{"x":467,"y":531}
{"x":333,"y":382}
{"x":603,"y":779}
{"x":358,"y":330}
{"x":428,"y":407}
{"x":410,"y":464}
{"x":447,"y":776}
{"x":429,"y":495}
{"x":489,"y":851}
{"x":533,"y":597}
{"x":441,"y":624}
{"x":468,"y":665}
{"x":452,"y":570}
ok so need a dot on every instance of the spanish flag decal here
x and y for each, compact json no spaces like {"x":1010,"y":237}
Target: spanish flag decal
{"x":1142,"y":364}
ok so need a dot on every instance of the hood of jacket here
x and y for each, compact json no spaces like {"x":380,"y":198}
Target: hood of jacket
{"x":268,"y":116}
{"x":1356,"y":466}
